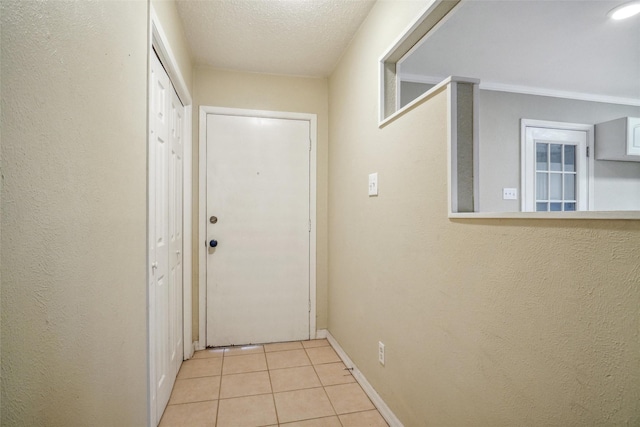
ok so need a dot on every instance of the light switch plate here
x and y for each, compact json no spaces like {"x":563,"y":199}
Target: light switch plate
{"x":509,"y":194}
{"x":373,"y":184}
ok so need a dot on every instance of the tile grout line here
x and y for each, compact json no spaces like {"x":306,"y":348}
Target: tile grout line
{"x":388,"y":416}
{"x":331,"y":385}
{"x":273,"y":394}
{"x":219,"y":389}
{"x":324,"y":389}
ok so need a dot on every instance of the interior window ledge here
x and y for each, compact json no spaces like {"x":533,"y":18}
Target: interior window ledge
{"x":626,"y":215}
{"x":425,"y":96}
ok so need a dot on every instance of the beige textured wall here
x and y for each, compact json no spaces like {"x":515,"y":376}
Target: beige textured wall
{"x":276,"y":93}
{"x":173,"y":27}
{"x":486,"y":322}
{"x":74,"y":92}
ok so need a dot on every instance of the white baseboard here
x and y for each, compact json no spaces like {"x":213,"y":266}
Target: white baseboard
{"x":382,"y":407}
{"x":321,"y":334}
{"x":194,"y":347}
{"x":197,"y":346}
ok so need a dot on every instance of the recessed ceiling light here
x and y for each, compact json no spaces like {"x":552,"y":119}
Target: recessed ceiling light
{"x":626,"y":10}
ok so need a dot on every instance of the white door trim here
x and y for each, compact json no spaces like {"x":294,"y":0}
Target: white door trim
{"x":202,"y":252}
{"x":589,"y":129}
{"x":159,"y":41}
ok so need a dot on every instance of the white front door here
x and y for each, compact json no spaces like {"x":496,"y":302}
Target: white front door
{"x":258,"y":190}
{"x":165,"y":235}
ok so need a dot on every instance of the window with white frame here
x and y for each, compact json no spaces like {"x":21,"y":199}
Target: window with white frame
{"x":555,"y":168}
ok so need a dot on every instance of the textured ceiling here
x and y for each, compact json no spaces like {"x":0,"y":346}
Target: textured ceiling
{"x":295,"y":37}
{"x":556,"y":45}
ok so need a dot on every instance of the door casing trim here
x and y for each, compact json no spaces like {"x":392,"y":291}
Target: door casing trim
{"x":202,"y":207}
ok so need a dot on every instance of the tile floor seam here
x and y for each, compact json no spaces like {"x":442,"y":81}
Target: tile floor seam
{"x":288,"y":367}
{"x":219,"y":390}
{"x":335,"y":386}
{"x":325,"y":389}
{"x":191,"y":401}
{"x":331,"y":403}
{"x":245,"y":395}
{"x":335,"y":414}
{"x":273,"y":397}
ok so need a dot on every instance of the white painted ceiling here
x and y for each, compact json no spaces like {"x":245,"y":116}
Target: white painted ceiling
{"x":294,"y":37}
{"x":569,"y":46}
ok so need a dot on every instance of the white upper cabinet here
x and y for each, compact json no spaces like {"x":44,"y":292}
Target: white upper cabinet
{"x":618,"y":140}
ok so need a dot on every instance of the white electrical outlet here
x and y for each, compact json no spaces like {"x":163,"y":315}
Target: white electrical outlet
{"x":509,"y":194}
{"x":373,"y":184}
{"x":381,"y":353}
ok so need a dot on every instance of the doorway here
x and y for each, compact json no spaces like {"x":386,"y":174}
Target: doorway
{"x":555,"y":165}
{"x":258,"y":226}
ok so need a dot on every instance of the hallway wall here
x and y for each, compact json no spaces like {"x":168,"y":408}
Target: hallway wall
{"x":485,"y":322}
{"x":74,"y":209}
{"x":231,"y":89}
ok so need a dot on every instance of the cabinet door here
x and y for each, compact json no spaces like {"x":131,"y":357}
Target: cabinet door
{"x":633,"y":136}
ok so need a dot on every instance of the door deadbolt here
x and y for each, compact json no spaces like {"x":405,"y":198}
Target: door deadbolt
{"x":213,"y":219}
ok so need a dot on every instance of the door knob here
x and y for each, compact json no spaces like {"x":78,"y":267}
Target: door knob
{"x":213,"y":243}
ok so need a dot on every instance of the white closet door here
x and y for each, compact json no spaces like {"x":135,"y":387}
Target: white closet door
{"x":165,"y":235}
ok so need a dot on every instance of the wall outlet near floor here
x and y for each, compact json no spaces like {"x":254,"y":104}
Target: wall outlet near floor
{"x":381,"y":353}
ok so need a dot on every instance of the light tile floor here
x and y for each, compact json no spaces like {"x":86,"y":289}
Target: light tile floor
{"x":294,"y":384}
